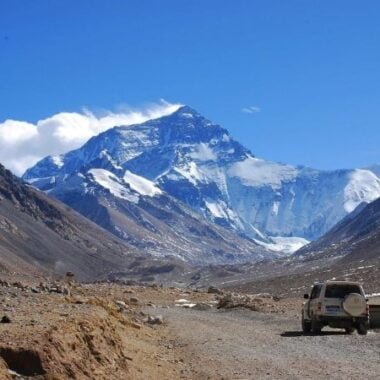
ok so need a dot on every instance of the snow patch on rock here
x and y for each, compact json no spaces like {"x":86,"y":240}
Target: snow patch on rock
{"x":256,"y":172}
{"x":141,"y":185}
{"x":203,"y":152}
{"x":364,"y":186}
{"x":57,"y":161}
{"x":287,"y":245}
{"x":191,"y":172}
{"x":112,"y":183}
{"x":216,"y":209}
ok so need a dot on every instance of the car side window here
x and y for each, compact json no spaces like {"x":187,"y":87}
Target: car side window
{"x":315,"y":292}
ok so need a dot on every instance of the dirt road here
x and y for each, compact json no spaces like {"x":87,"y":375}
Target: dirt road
{"x":241,"y":344}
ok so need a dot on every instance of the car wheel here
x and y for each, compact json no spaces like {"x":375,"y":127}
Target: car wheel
{"x":363,"y":329}
{"x":316,"y":327}
{"x":306,"y":326}
{"x":349,"y":330}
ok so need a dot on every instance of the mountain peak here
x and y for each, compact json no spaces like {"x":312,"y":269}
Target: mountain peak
{"x":187,"y":112}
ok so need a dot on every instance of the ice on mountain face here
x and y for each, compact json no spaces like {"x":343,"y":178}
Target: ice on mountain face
{"x":262,"y":237}
{"x":187,"y":115}
{"x":105,"y":155}
{"x":216,"y":209}
{"x":112,"y":183}
{"x":190,"y":172}
{"x":364,"y":186}
{"x":256,"y":172}
{"x":141,"y":185}
{"x":287,"y":245}
{"x":275,"y":208}
{"x":203,"y":152}
{"x":57,"y":160}
{"x":306,"y":205}
{"x":214,"y":173}
{"x":226,"y":138}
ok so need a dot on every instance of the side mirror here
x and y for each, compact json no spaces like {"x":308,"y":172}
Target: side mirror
{"x":306,"y":296}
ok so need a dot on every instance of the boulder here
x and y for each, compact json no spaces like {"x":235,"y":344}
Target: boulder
{"x":232,"y":300}
{"x":5,"y":319}
{"x":202,"y":306}
{"x":122,"y":305}
{"x":214,"y":290}
{"x":134,"y":300}
{"x":155,"y":320}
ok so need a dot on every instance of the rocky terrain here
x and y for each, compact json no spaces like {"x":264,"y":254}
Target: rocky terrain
{"x":286,"y":279}
{"x":115,"y":331}
{"x":95,"y":332}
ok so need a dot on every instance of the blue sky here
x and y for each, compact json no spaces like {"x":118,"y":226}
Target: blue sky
{"x":310,"y":70}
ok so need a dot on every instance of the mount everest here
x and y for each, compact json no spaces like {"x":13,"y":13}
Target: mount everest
{"x":198,"y":168}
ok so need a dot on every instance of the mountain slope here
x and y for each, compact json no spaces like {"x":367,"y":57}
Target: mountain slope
{"x":200,"y":164}
{"x":135,"y":210}
{"x":42,"y":235}
{"x":356,"y":237}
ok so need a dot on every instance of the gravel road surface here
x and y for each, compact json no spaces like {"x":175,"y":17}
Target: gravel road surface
{"x":241,"y":344}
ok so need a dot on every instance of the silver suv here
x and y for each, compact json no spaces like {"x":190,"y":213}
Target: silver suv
{"x":338,"y":304}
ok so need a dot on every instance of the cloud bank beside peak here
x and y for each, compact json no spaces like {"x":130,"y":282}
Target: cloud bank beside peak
{"x":22,"y":144}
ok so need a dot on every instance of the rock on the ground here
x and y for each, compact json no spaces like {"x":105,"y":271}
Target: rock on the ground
{"x":5,"y":319}
{"x":202,"y":306}
{"x":214,"y":290}
{"x":155,"y":320}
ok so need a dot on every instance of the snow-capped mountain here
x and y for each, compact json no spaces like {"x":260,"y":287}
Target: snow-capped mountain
{"x":136,"y":210}
{"x":199,"y":163}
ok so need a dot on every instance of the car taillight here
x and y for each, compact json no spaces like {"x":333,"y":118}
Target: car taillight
{"x":319,"y":306}
{"x":367,"y":309}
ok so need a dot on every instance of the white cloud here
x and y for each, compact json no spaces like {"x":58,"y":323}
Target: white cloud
{"x":22,"y":143}
{"x":14,"y":132}
{"x":251,"y":109}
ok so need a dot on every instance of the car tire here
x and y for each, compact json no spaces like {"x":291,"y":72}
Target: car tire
{"x":306,"y":325}
{"x":316,"y":327}
{"x":363,"y":329}
{"x":349,"y":330}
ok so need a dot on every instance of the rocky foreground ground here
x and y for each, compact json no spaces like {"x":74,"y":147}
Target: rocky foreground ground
{"x":113,"y":331}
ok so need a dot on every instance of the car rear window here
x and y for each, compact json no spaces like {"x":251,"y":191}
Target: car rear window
{"x":341,"y":291}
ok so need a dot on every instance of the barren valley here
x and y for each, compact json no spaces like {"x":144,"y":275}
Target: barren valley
{"x":115,"y":331}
